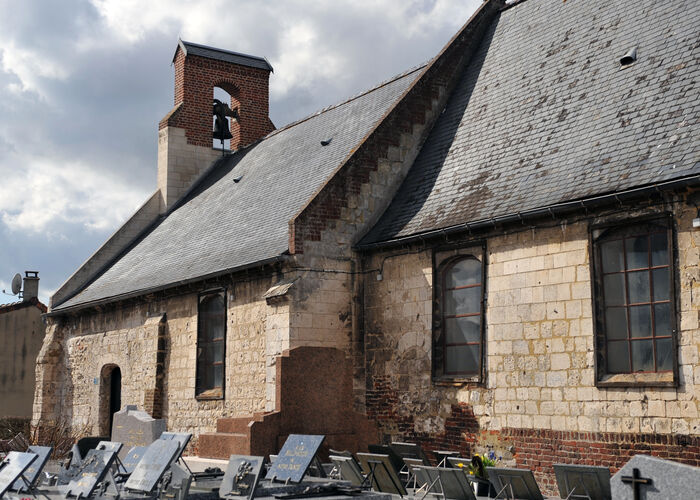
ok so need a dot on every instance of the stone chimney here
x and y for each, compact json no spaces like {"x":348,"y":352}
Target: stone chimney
{"x":185,"y":143}
{"x":30,"y":289}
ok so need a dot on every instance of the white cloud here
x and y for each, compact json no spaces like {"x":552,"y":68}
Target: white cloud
{"x":30,"y":67}
{"x":45,"y":195}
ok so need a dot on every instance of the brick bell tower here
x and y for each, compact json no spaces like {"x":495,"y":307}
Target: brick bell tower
{"x":185,"y":133}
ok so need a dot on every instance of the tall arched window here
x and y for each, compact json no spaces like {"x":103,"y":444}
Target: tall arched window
{"x":460,"y":309}
{"x":211,"y":335}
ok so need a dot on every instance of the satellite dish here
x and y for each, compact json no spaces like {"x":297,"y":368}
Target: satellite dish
{"x":16,"y":283}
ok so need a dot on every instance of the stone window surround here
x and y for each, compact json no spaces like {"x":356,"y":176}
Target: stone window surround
{"x":443,"y":257}
{"x":659,"y":379}
{"x":200,"y":296}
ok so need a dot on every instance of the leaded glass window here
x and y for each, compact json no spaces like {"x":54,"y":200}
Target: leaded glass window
{"x":211,"y":333}
{"x":634,"y":293}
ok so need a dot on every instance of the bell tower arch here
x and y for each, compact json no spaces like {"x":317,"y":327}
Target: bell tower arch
{"x":185,"y":133}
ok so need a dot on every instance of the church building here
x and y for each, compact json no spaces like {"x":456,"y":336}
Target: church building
{"x":497,"y":250}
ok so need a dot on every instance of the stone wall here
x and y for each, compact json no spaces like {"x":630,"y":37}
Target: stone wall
{"x":79,"y":347}
{"x":539,"y":353}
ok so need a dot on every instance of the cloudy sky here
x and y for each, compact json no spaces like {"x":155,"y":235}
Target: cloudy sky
{"x":83,"y":84}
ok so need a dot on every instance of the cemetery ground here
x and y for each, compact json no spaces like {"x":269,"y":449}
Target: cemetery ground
{"x":142,"y":460}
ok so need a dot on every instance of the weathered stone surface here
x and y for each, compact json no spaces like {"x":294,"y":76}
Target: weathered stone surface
{"x":669,"y":479}
{"x":135,"y":428}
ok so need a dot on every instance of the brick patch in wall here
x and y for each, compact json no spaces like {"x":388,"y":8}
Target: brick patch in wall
{"x":538,"y":449}
{"x":461,"y":426}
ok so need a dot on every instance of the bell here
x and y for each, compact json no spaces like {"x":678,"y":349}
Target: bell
{"x":221,"y":130}
{"x":221,"y":111}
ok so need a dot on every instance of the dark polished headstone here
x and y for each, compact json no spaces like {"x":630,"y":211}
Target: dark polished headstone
{"x":92,"y":471}
{"x":583,"y":480}
{"x":109,"y":446}
{"x":155,"y":461}
{"x":668,"y":479}
{"x":12,"y":467}
{"x":294,"y":458}
{"x":34,"y":470}
{"x":241,"y":477}
{"x":133,"y":457}
{"x":183,"y":438}
{"x":132,"y":427}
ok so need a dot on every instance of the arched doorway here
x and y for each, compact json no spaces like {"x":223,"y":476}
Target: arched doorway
{"x":110,"y":397}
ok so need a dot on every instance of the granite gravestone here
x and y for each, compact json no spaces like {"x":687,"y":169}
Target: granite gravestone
{"x":132,"y":427}
{"x":241,"y":478}
{"x":92,"y":471}
{"x":132,"y":458}
{"x":668,"y":480}
{"x":34,"y":470}
{"x":294,"y":458}
{"x":150,"y":469}
{"x":13,"y":467}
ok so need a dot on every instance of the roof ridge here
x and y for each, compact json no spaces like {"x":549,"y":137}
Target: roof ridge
{"x":349,"y":99}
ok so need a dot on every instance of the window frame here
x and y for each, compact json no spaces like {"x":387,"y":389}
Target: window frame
{"x":444,"y":258}
{"x":668,"y":378}
{"x":200,"y":393}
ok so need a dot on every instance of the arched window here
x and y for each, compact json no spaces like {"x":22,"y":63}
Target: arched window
{"x":460,"y":309}
{"x":211,"y":334}
{"x":228,"y":94}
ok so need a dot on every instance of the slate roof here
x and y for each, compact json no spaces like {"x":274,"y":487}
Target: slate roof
{"x":224,"y":55}
{"x":544,"y":114}
{"x":225,"y":225}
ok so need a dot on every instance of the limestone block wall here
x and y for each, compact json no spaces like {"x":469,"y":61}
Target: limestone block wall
{"x":78,"y":348}
{"x":539,"y":356}
{"x":179,"y":163}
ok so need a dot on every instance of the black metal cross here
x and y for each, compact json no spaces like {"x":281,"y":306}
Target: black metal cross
{"x":636,"y":480}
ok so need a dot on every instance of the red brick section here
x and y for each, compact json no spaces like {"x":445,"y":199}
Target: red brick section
{"x":195,"y":79}
{"x":14,"y":306}
{"x":538,"y":449}
{"x":411,"y":110}
{"x":535,"y":449}
{"x":461,"y":427}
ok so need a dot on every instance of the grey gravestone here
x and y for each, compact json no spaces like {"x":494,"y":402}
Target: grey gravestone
{"x":12,"y":467}
{"x":668,"y":479}
{"x":183,"y":438}
{"x":32,"y":473}
{"x":92,"y":471}
{"x":133,"y":457}
{"x":132,"y":427}
{"x":155,"y":461}
{"x":241,"y":478}
{"x":295,"y":457}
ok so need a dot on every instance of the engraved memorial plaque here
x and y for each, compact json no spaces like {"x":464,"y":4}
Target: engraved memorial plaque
{"x":295,"y":457}
{"x":135,"y":428}
{"x":133,"y":457}
{"x":155,"y":461}
{"x":12,"y":467}
{"x":34,"y":470}
{"x":92,"y":471}
{"x":241,"y":478}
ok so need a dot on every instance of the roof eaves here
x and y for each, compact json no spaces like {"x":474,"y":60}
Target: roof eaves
{"x":15,"y":306}
{"x":59,"y":311}
{"x":561,"y":208}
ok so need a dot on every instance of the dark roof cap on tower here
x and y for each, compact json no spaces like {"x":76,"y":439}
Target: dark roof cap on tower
{"x":196,"y":49}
